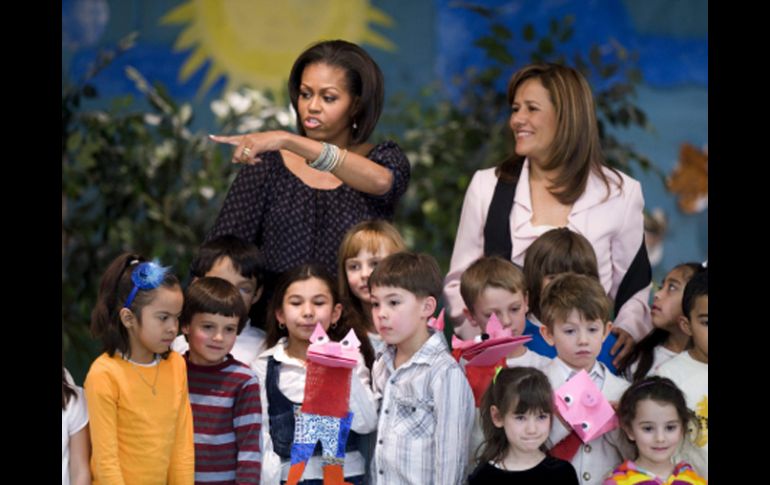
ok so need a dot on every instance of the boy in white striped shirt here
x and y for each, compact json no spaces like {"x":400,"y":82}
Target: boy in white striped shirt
{"x":427,"y":406}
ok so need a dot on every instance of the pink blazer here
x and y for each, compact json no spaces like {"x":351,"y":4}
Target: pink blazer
{"x":614,"y":225}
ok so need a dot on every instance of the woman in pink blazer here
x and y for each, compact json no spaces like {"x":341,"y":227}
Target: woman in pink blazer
{"x":557,"y":177}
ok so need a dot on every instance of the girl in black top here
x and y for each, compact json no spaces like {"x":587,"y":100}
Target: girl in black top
{"x":516,"y":413}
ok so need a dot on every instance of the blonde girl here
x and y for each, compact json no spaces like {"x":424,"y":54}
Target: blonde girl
{"x":363,"y":247}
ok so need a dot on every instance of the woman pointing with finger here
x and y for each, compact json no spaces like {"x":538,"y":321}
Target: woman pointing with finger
{"x":299,"y":193}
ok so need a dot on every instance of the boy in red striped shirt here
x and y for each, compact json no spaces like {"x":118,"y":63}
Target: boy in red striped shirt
{"x":224,"y":393}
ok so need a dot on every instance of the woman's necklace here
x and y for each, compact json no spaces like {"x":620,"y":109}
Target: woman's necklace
{"x":157,"y":371}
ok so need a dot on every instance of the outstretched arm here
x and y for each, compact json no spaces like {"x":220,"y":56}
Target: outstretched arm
{"x":356,"y":170}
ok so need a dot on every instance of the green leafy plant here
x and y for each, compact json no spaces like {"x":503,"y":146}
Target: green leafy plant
{"x":134,"y":177}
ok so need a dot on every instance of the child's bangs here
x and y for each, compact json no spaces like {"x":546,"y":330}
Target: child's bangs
{"x":369,"y":241}
{"x":533,"y":398}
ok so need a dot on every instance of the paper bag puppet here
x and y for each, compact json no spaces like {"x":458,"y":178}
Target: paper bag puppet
{"x":325,"y":414}
{"x":481,"y":358}
{"x":584,"y":407}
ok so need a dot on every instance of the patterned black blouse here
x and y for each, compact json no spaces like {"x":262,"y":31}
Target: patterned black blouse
{"x":293,"y":223}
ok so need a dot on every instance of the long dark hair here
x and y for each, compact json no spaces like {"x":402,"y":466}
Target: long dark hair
{"x":302,"y":273}
{"x":520,"y":390}
{"x":644,"y":351}
{"x":67,"y":391}
{"x":114,"y":288}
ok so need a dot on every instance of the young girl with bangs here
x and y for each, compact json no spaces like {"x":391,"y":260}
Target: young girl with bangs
{"x":304,"y":297}
{"x":516,"y":414}
{"x":654,"y":415}
{"x":363,"y":247}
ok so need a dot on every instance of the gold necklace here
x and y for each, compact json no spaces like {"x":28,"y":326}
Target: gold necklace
{"x":155,"y":381}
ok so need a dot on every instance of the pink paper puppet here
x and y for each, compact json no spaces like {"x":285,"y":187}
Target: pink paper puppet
{"x":325,"y":414}
{"x":333,"y":354}
{"x":584,"y":407}
{"x":437,"y":323}
{"x":488,"y":352}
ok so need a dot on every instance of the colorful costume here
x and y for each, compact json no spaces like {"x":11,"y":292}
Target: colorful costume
{"x":629,"y":473}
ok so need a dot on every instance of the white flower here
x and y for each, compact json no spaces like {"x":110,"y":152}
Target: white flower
{"x":238,"y":102}
{"x":185,"y":113}
{"x":220,"y":108}
{"x":152,"y":119}
{"x":207,"y":192}
{"x":164,"y":150}
{"x":250,"y":124}
{"x":285,"y":117}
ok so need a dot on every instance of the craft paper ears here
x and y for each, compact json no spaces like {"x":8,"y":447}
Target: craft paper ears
{"x":584,"y":407}
{"x":319,"y":337}
{"x":494,"y":327}
{"x":333,"y":354}
{"x":488,"y":352}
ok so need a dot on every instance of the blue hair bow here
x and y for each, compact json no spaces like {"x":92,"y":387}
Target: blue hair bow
{"x":147,"y":276}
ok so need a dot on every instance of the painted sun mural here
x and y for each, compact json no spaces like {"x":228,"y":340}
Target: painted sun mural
{"x":255,"y":42}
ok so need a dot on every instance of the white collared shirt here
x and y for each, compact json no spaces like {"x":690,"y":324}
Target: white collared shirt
{"x":528,"y":359}
{"x":425,"y":417}
{"x":597,"y":372}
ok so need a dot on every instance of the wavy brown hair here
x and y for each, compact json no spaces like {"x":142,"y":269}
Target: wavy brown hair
{"x":576,"y":148}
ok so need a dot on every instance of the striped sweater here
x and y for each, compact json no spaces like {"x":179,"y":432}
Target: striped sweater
{"x":227,"y":420}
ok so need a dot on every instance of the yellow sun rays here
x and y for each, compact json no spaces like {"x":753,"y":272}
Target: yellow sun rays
{"x":255,"y":42}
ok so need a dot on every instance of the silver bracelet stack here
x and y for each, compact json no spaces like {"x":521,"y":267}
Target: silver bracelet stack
{"x":329,"y":159}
